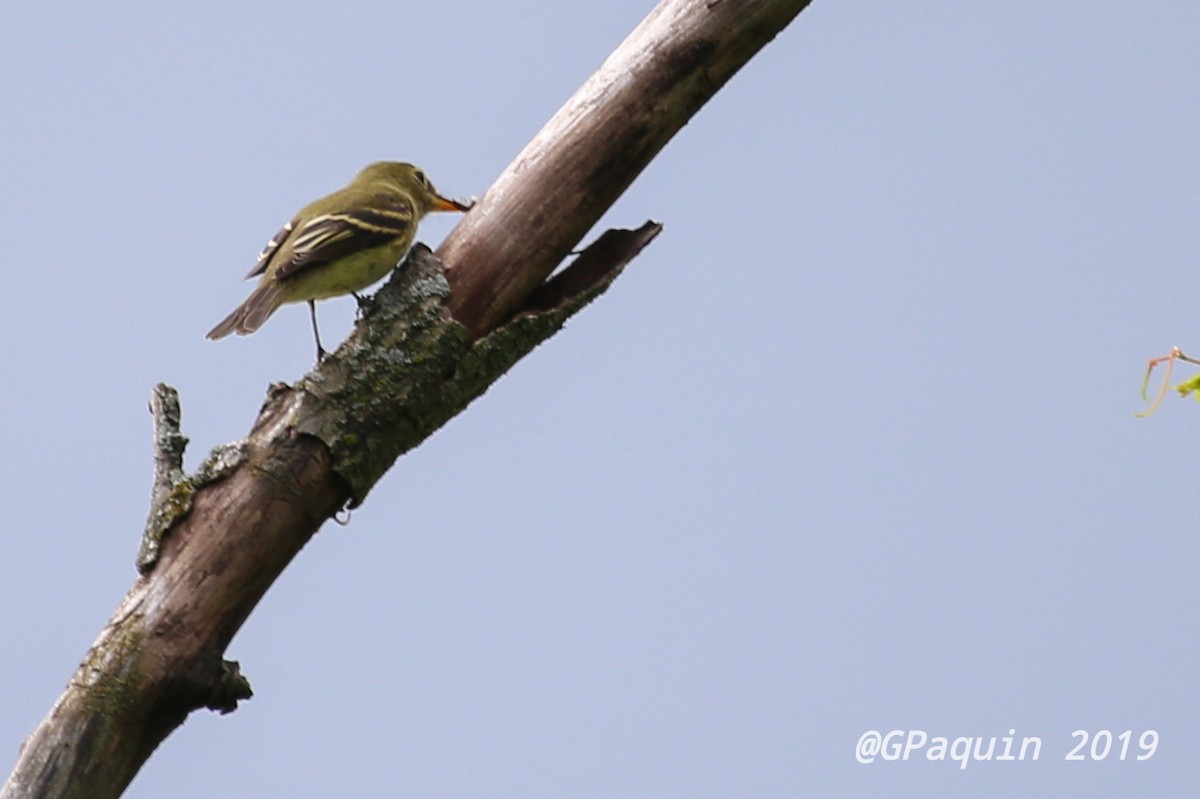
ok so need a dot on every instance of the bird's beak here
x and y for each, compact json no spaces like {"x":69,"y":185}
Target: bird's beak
{"x":442,"y":204}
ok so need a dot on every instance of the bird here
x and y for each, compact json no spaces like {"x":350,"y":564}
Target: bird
{"x":339,"y":244}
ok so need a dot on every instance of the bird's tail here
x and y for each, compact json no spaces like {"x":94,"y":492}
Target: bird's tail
{"x":250,"y":315}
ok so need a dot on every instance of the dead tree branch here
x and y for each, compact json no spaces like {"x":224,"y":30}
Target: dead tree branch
{"x":433,"y":339}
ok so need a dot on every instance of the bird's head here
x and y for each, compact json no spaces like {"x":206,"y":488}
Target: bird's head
{"x":411,"y":181}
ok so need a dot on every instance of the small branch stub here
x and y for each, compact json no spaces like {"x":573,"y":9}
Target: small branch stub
{"x":231,"y":688}
{"x":173,"y":491}
{"x":169,"y":446}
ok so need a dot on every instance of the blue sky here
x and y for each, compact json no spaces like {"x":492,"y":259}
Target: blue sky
{"x":850,"y":446}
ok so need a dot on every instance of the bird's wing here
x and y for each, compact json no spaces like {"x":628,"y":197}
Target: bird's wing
{"x":328,"y":237}
{"x":264,"y":257}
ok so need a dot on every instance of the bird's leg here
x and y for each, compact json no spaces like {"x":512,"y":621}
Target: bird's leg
{"x":312,"y":310}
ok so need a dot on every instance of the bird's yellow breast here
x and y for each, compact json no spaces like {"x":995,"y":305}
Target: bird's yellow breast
{"x":350,"y":273}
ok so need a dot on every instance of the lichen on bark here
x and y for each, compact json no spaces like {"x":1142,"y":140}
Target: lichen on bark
{"x":409,"y":367}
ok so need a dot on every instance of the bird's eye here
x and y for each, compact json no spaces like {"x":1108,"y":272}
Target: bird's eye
{"x":420,"y":176}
